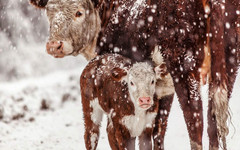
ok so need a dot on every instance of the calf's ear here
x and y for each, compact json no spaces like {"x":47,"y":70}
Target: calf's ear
{"x":118,"y":73}
{"x":161,"y":71}
{"x":39,"y":3}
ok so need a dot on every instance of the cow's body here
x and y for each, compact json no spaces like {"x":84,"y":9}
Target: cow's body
{"x":102,"y":94}
{"x":196,"y":38}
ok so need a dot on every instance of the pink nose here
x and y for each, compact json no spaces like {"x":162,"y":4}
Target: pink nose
{"x":144,"y":101}
{"x":54,"y":45}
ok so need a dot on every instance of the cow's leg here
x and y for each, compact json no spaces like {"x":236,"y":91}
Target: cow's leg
{"x":111,"y":136}
{"x":212,"y":127}
{"x":123,"y":138}
{"x":145,"y":140}
{"x":224,"y":70}
{"x":92,"y":119}
{"x":161,"y":121}
{"x":232,"y":42}
{"x":188,"y":92}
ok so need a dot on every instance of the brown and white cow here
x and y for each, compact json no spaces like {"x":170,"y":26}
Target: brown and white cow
{"x":112,"y":85}
{"x":74,"y":27}
{"x":197,"y":38}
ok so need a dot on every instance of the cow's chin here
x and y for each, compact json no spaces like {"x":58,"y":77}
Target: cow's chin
{"x":67,"y":48}
{"x":145,"y":106}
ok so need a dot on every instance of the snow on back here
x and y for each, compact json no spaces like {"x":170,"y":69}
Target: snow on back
{"x":134,"y":10}
{"x":137,"y":8}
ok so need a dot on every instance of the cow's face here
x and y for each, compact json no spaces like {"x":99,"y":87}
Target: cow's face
{"x":74,"y":26}
{"x":141,"y":81}
{"x":141,"y":84}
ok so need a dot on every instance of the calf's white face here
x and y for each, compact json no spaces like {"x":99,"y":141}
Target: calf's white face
{"x":141,"y":84}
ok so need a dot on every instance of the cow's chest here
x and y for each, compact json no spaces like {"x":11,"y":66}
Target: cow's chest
{"x":136,"y":124}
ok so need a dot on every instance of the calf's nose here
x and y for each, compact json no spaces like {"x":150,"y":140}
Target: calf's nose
{"x":144,"y":100}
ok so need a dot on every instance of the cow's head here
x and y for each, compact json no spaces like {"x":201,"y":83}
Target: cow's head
{"x":74,"y":26}
{"x":141,"y":81}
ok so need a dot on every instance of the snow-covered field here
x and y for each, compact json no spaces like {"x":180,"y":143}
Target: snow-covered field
{"x":40,"y":104}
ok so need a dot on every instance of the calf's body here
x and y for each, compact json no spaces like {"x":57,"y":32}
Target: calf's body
{"x":110,"y":84}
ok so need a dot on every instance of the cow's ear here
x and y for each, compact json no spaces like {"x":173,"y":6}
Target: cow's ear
{"x":161,"y":71}
{"x":118,"y":73}
{"x":39,"y":3}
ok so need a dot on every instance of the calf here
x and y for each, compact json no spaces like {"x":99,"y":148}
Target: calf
{"x":111,"y":84}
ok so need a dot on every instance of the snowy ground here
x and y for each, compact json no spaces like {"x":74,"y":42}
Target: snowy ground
{"x":44,"y":113}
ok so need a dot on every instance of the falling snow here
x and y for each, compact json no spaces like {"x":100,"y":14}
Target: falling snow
{"x":29,"y":76}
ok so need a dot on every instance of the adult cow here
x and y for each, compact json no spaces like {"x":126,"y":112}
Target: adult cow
{"x":197,"y":38}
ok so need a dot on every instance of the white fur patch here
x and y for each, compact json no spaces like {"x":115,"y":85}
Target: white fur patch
{"x":221,"y":111}
{"x":97,"y":113}
{"x":94,"y":138}
{"x":137,"y":123}
{"x":67,"y":47}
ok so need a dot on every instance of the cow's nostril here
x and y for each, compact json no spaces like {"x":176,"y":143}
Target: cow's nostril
{"x":60,"y":45}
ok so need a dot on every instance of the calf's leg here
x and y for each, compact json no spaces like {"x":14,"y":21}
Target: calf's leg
{"x":145,"y":140}
{"x":123,"y":138}
{"x":92,"y":119}
{"x":111,"y":136}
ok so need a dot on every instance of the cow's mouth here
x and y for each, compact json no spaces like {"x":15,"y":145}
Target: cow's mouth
{"x":145,"y":106}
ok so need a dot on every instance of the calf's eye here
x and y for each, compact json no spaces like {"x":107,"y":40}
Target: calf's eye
{"x":78,"y":14}
{"x":131,"y":83}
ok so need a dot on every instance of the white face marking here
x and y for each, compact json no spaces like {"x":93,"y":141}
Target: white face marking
{"x":141,"y":83}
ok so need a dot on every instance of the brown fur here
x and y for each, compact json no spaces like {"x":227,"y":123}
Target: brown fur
{"x":39,"y":3}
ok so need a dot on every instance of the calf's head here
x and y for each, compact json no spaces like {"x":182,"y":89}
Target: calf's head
{"x":74,"y":26}
{"x":141,"y":81}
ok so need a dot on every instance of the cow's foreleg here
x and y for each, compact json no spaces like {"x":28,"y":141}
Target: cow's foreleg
{"x":111,"y":136}
{"x":123,"y":138}
{"x":161,"y":121}
{"x":188,"y":92}
{"x":145,"y":140}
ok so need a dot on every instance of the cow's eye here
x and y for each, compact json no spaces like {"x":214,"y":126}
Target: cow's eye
{"x":78,"y":14}
{"x":152,"y":81}
{"x":131,"y":83}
